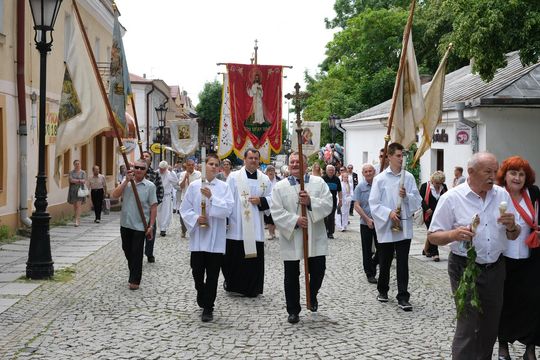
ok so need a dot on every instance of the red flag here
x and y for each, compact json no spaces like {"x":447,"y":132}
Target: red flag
{"x":255,"y":100}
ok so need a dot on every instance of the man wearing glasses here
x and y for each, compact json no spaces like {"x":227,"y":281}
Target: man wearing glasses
{"x":132,"y":228}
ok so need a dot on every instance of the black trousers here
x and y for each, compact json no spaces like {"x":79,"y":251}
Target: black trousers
{"x":97,"y":196}
{"x":209,"y":264}
{"x":386,"y":255}
{"x":369,"y":260}
{"x":330,"y":221}
{"x":132,"y":244}
{"x":351,"y":209}
{"x":317,"y":267}
{"x":149,"y":243}
{"x":476,"y":332}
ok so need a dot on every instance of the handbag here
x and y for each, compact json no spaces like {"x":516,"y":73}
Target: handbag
{"x":418,"y":217}
{"x":83,"y":191}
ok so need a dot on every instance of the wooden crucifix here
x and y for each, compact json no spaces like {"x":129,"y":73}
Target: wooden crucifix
{"x":297,"y":97}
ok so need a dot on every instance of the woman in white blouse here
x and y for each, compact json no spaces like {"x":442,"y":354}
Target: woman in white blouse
{"x":520,"y":316}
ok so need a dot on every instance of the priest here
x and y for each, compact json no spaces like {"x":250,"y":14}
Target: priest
{"x":207,"y":232}
{"x":243,"y":266}
{"x":287,"y":199}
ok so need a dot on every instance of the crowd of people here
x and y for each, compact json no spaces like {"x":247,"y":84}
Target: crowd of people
{"x":225,"y":212}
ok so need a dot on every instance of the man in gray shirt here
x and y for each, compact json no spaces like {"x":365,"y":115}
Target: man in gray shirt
{"x":132,"y":228}
{"x":367,"y":227}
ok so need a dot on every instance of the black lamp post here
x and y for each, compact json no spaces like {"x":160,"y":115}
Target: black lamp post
{"x":332,"y":125}
{"x":161,"y":114}
{"x":40,"y":264}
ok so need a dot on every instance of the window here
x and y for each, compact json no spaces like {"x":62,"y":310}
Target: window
{"x":98,"y":151}
{"x":67,"y":162}
{"x":440,"y":159}
{"x":109,"y":155}
{"x":84,"y":157}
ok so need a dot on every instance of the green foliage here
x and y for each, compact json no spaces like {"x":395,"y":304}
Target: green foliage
{"x":467,"y":291}
{"x":209,"y":106}
{"x":347,"y":9}
{"x":415,"y":171}
{"x":4,"y":233}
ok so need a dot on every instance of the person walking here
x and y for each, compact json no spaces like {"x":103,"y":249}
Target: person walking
{"x":431,"y":192}
{"x":132,"y":229}
{"x":367,"y":225}
{"x":186,"y":178}
{"x":98,"y":190}
{"x":347,"y":192}
{"x":354,"y":177}
{"x":383,"y":201}
{"x":77,"y":180}
{"x":476,"y":332}
{"x":207,"y":232}
{"x":169,"y":181}
{"x":286,"y":210}
{"x":153,"y":176}
{"x":334,"y":184}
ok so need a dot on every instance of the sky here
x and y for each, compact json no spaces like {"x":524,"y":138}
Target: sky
{"x":181,"y":41}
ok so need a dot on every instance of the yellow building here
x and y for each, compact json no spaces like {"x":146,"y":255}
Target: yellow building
{"x":19,"y":91}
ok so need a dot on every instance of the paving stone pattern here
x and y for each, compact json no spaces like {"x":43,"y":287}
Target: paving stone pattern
{"x":95,"y":316}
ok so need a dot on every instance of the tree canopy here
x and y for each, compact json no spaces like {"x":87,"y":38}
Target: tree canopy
{"x":362,"y":60}
{"x":209,"y":106}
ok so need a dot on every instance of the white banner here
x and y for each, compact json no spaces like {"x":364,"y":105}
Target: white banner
{"x":184,"y":136}
{"x":311,"y":137}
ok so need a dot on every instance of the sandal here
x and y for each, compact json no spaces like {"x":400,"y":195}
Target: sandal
{"x":436,"y":258}
{"x":426,"y":253}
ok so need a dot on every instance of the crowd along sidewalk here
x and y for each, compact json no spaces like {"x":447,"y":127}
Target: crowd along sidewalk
{"x":69,"y":245}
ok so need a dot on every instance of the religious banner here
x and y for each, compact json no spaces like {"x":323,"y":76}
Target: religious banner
{"x":225,"y":141}
{"x":184,"y":136}
{"x":254,"y":99}
{"x":311,"y":137}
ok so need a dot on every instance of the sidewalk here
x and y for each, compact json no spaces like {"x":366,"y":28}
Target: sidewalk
{"x":69,"y":245}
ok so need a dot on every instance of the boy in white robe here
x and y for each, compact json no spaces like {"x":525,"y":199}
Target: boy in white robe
{"x":207,"y":244}
{"x":286,"y":212}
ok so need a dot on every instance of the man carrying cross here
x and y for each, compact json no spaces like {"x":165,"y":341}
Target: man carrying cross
{"x":243,"y":266}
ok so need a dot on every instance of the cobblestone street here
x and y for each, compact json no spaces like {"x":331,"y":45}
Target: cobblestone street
{"x":96,"y":316}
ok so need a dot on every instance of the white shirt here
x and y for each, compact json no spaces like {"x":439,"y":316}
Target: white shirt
{"x":195,"y":175}
{"x":383,"y":199}
{"x":517,"y":249}
{"x":218,"y":208}
{"x":457,"y":208}
{"x":169,"y":181}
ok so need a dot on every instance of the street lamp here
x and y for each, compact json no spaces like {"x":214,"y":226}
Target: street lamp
{"x":332,"y":125}
{"x":40,"y":264}
{"x":161,"y":114}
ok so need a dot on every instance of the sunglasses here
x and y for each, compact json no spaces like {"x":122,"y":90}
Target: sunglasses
{"x":139,"y":167}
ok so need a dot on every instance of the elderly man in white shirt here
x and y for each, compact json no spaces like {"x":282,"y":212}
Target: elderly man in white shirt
{"x":383,"y":201}
{"x":476,"y":332}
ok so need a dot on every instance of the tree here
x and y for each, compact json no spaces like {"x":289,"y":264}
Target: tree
{"x":209,"y":107}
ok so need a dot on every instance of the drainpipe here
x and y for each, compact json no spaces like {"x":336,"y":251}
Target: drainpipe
{"x":148,"y":117}
{"x":343,"y":131}
{"x":23,"y":133}
{"x":460,"y":107}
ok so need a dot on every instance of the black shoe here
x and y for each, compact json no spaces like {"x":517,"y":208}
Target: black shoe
{"x":404,"y":305}
{"x":382,"y":297}
{"x":163,"y":233}
{"x":314,"y":305}
{"x":207,"y":315}
{"x":293,"y":318}
{"x":372,"y":279}
{"x":151,"y":259}
{"x":330,"y":236}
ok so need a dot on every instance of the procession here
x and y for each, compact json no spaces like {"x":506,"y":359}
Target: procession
{"x":385,"y":207}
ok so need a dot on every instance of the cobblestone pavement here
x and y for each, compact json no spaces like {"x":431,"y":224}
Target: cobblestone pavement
{"x":95,"y":316}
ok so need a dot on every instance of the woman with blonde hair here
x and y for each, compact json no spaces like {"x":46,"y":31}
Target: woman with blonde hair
{"x":77,"y":179}
{"x":316,"y":169}
{"x":431,"y":191}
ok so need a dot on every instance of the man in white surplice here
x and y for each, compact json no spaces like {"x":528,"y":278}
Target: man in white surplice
{"x":243,"y":267}
{"x":207,"y":244}
{"x":170,"y":183}
{"x":286,"y":212}
{"x":383,"y":201}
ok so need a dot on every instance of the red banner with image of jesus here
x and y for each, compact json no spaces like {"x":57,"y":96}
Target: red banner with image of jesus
{"x":255,"y":103}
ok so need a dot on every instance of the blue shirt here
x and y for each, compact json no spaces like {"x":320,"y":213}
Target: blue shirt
{"x":361,"y":196}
